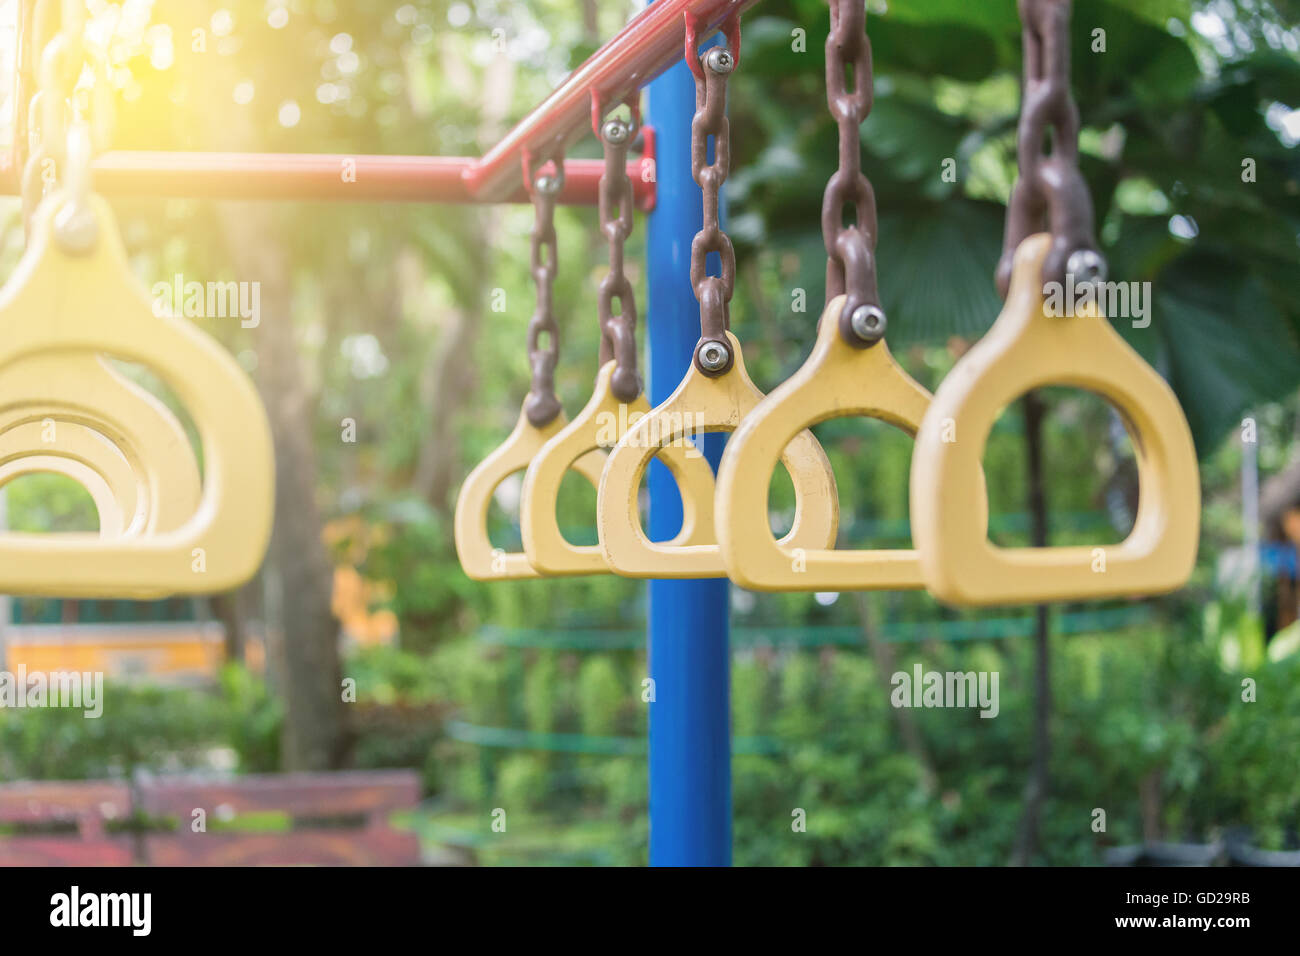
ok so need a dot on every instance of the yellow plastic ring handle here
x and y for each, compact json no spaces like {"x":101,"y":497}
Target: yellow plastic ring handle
{"x":112,"y":519}
{"x":601,"y":424}
{"x":836,"y":381}
{"x":62,"y":440}
{"x":480,"y":560}
{"x":81,"y":388}
{"x":57,"y":302}
{"x":703,"y":404}
{"x":1028,"y":348}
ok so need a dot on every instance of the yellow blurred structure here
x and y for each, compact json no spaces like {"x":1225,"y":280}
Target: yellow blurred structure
{"x":353,"y":595}
{"x":181,"y":652}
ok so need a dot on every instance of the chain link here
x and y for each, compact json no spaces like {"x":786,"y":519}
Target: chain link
{"x":24,"y":79}
{"x":60,"y":142}
{"x":851,"y":249}
{"x":542,"y":404}
{"x":46,"y":125}
{"x":617,"y":329}
{"x":1051,"y":190}
{"x":713,"y":353}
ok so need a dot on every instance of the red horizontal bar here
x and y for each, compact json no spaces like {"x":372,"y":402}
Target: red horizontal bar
{"x":324,"y":176}
{"x":638,"y":53}
{"x":648,"y":45}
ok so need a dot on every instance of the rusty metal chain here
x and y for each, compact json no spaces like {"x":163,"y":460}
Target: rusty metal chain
{"x":851,"y":249}
{"x":542,"y":405}
{"x":617,"y":329}
{"x":1051,"y":192}
{"x":25,"y":84}
{"x":60,"y":142}
{"x":54,"y":67}
{"x":713,"y":353}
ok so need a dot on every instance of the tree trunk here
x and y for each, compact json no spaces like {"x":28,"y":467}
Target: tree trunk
{"x":450,"y":373}
{"x":449,"y":383}
{"x":308,"y":634}
{"x":1149,"y":800}
{"x":228,"y":609}
{"x":1039,"y":781}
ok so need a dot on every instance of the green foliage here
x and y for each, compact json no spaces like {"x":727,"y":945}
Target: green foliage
{"x":47,"y":502}
{"x":522,"y":782}
{"x":146,"y":728}
{"x":601,"y":695}
{"x":254,"y":717}
{"x":543,"y":695}
{"x":1150,"y":710}
{"x":428,"y":587}
{"x":1148,"y":725}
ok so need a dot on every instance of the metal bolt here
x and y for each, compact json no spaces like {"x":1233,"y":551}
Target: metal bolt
{"x":1087,"y":266}
{"x":549,"y":185}
{"x":868,"y":323}
{"x":616,"y":132}
{"x":76,"y":229}
{"x":714,"y":356}
{"x":720,"y":60}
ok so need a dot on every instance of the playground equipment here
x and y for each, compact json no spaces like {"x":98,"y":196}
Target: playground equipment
{"x":107,"y":493}
{"x":131,"y":428}
{"x":717,"y":392}
{"x":850,"y":372}
{"x":93,"y":302}
{"x":71,"y":300}
{"x":616,"y":404}
{"x":1028,"y":347}
{"x":541,"y":417}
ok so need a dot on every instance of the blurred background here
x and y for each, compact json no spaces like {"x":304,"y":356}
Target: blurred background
{"x":387,"y":374}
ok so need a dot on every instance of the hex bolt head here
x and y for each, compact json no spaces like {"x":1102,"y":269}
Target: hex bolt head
{"x":1087,"y":266}
{"x":616,"y":132}
{"x":549,"y":185}
{"x":868,"y":323}
{"x":720,"y":60}
{"x":75,"y":228}
{"x":714,"y":356}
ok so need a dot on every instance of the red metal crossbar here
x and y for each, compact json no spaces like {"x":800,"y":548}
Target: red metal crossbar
{"x":643,"y":49}
{"x":638,"y":53}
{"x":326,"y":176}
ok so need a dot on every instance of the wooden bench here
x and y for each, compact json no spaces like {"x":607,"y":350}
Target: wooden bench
{"x":58,"y":824}
{"x":335,"y":819}
{"x":325,"y":819}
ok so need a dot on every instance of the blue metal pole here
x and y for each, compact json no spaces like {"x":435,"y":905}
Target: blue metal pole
{"x":690,"y":718}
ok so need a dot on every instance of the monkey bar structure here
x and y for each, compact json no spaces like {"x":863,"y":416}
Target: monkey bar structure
{"x":329,"y":178}
{"x":637,"y":54}
{"x":687,"y":639}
